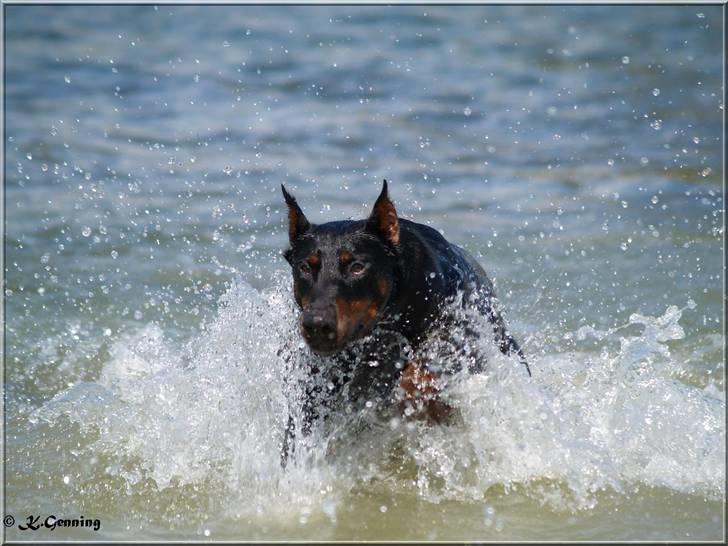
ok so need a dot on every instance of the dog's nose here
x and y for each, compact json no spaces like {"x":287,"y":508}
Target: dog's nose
{"x":320,"y":324}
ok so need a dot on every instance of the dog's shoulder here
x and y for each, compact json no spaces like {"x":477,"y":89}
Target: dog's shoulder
{"x":427,"y":251}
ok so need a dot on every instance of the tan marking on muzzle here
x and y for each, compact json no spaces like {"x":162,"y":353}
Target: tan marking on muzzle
{"x":352,"y":313}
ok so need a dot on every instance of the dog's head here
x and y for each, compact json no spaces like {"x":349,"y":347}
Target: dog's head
{"x":343,"y":272}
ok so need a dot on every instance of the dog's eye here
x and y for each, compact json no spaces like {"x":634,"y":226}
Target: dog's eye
{"x":357,"y":268}
{"x":304,"y":267}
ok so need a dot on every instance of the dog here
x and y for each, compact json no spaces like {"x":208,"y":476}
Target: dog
{"x":374,"y":291}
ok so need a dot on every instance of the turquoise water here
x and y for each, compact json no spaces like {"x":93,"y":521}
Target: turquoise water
{"x":575,"y":151}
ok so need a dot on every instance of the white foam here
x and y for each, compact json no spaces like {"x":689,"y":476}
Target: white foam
{"x":213,"y":412}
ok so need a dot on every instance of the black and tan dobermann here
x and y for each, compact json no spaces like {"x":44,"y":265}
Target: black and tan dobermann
{"x":371,"y":292}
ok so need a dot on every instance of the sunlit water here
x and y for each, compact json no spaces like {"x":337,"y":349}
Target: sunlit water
{"x":150,"y":331}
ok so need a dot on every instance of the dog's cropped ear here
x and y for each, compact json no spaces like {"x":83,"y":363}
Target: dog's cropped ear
{"x":297,"y":222}
{"x":383,"y":220}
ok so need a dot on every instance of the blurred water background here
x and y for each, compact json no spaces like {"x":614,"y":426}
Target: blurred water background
{"x":576,"y":151}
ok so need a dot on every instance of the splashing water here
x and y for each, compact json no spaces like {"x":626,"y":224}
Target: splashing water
{"x":207,"y":419}
{"x":133,"y":194}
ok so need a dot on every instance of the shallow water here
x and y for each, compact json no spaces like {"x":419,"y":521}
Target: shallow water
{"x":576,"y":151}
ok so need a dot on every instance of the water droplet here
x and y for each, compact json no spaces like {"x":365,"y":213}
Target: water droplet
{"x":655,"y":199}
{"x":696,"y":140}
{"x":625,"y":60}
{"x":207,"y":532}
{"x":329,"y":508}
{"x":383,"y":508}
{"x":114,"y":254}
{"x":86,"y":231}
{"x":29,"y":156}
{"x":656,"y":124}
{"x":67,"y":79}
{"x":655,"y":91}
{"x":66,"y":479}
{"x":467,"y":111}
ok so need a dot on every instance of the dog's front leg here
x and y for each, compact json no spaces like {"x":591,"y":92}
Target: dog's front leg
{"x":289,"y":438}
{"x":421,"y":392}
{"x":308,"y":414}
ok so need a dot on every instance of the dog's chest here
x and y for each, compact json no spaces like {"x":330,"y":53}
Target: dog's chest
{"x":363,"y":375}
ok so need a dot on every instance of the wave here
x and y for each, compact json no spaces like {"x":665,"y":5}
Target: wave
{"x":207,"y":417}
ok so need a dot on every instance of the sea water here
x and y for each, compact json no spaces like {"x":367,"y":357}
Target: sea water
{"x":151,"y":335}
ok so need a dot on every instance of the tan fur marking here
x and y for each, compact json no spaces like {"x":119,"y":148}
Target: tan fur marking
{"x":372,"y":311}
{"x":292,"y":223}
{"x":382,"y":286}
{"x":387,"y":219}
{"x":351,"y":313}
{"x":421,"y":394}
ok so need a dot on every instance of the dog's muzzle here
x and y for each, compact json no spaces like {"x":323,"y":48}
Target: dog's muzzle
{"x":318,"y":326}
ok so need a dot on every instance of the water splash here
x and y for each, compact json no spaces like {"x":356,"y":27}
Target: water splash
{"x":210,"y":415}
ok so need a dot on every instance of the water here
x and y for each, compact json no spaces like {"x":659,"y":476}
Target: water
{"x":576,"y":151}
